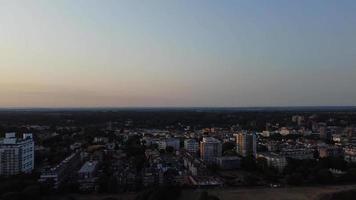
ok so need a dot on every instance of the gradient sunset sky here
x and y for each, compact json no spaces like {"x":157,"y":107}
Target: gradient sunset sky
{"x":85,"y":53}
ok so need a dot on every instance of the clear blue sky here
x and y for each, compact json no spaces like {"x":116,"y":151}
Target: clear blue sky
{"x":177,"y":53}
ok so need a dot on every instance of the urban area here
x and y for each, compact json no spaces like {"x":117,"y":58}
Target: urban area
{"x":157,"y":154}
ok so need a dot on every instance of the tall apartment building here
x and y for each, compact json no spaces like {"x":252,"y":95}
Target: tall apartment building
{"x":246,"y":144}
{"x":16,"y":154}
{"x":210,"y":149}
{"x":191,"y":145}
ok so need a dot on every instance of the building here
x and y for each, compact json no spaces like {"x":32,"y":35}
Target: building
{"x":192,"y":146}
{"x":169,"y":142}
{"x":88,"y":170}
{"x":88,"y":175}
{"x":59,"y":174}
{"x":152,"y":177}
{"x":284,"y":131}
{"x":196,"y":167}
{"x":229,"y":162}
{"x":298,"y":119}
{"x":246,"y":144}
{"x":205,"y":181}
{"x":330,"y":151}
{"x":16,"y":155}
{"x":298,"y":153}
{"x":210,"y":149}
{"x":350,"y":153}
{"x":274,"y":160}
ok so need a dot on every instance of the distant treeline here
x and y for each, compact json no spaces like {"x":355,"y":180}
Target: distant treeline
{"x":255,"y":120}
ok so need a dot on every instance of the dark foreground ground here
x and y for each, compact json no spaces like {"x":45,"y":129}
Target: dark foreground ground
{"x":290,"y":193}
{"x":294,"y":193}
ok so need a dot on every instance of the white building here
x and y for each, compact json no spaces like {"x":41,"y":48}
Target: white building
{"x":191,"y":145}
{"x":16,"y":155}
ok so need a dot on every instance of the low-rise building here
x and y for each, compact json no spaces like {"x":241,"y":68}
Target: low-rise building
{"x":329,"y":151}
{"x":205,"y":181}
{"x":298,"y":153}
{"x":88,"y":175}
{"x":274,"y":160}
{"x":59,"y":174}
{"x":350,"y":153}
{"x":229,"y":162}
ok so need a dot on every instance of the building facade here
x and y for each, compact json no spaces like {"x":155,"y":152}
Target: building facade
{"x":210,"y":149}
{"x":191,"y":145}
{"x":246,"y":144}
{"x":350,"y":153}
{"x":60,"y":173}
{"x":274,"y":160}
{"x":16,"y":154}
{"x":169,"y":142}
{"x":229,"y":162}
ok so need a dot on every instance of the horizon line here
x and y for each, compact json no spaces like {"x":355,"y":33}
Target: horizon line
{"x":170,"y":107}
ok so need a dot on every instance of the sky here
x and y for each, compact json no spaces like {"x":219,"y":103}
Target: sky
{"x":179,"y":53}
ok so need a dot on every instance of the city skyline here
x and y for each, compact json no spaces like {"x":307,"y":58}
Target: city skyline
{"x":177,"y":53}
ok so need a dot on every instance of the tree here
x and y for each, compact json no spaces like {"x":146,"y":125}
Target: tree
{"x":110,"y":198}
{"x":248,"y":163}
{"x":262,"y":163}
{"x":324,"y":176}
{"x":250,"y":180}
{"x":112,"y":185}
{"x":169,"y":149}
{"x":11,"y":196}
{"x":203,"y":195}
{"x":212,"y":197}
{"x":32,"y":192}
{"x":228,"y":146}
{"x":295,"y":179}
{"x":103,"y":183}
{"x":213,"y":167}
{"x":351,"y":174}
{"x":230,"y":153}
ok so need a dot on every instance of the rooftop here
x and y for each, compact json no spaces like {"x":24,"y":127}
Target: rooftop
{"x":88,"y":167}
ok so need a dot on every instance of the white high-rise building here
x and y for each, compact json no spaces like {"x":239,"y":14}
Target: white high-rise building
{"x":16,"y":155}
